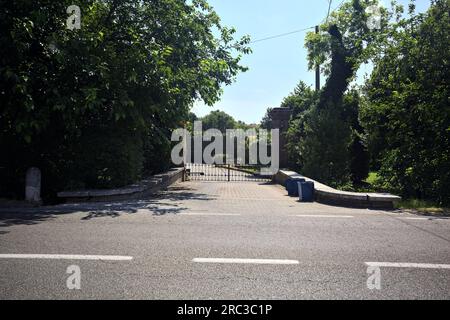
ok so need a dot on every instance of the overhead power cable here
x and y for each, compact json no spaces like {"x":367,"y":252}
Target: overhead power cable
{"x":281,"y":35}
{"x":330,"y":2}
{"x":329,"y":8}
{"x":334,"y":9}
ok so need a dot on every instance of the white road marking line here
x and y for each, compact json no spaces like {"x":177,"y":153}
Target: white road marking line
{"x":429,"y":218}
{"x":408,"y":265}
{"x":208,"y":214}
{"x":65,"y":257}
{"x":322,"y":216}
{"x":251,"y":199}
{"x":244,"y":261}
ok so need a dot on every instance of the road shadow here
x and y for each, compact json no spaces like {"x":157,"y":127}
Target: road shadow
{"x":166,"y":202}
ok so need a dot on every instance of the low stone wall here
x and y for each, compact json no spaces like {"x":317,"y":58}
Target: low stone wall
{"x":136,"y":191}
{"x":327,"y":195}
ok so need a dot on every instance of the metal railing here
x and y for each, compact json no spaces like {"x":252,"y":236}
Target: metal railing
{"x":225,"y":173}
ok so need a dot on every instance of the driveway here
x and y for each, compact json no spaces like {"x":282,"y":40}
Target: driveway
{"x":222,"y":240}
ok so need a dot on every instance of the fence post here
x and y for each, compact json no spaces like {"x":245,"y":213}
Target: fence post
{"x":33,"y":186}
{"x":229,"y":170}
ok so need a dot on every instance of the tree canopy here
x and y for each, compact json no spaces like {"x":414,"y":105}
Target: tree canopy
{"x":406,"y":113}
{"x":133,"y":69}
{"x":399,"y":119}
{"x":218,"y":120}
{"x":326,"y":130}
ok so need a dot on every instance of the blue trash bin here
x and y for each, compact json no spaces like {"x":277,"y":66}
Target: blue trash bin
{"x":306,"y":191}
{"x":292,"y":186}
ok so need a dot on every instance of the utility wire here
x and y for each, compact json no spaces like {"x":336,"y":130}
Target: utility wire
{"x":330,"y":2}
{"x":329,"y":8}
{"x":281,"y":35}
{"x":340,"y":5}
{"x":334,"y":9}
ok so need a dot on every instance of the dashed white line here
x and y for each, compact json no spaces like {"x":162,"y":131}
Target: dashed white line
{"x":253,"y":199}
{"x":245,"y":261}
{"x":427,"y":219}
{"x":408,"y":265}
{"x":65,"y":257}
{"x":322,"y":216}
{"x":209,"y":214}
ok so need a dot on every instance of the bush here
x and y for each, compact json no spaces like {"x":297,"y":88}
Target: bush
{"x":76,"y":104}
{"x":324,"y":149}
{"x":407,"y":116}
{"x":107,"y":158}
{"x":157,"y":153}
{"x":359,"y":159}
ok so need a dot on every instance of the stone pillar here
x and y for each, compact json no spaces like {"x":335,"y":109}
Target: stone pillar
{"x":280,"y":120}
{"x":33,"y":185}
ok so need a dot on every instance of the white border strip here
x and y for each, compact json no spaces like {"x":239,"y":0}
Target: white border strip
{"x":408,"y":265}
{"x":244,"y":261}
{"x":65,"y":257}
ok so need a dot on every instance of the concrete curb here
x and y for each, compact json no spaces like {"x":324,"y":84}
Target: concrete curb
{"x":141,"y":189}
{"x":327,"y":195}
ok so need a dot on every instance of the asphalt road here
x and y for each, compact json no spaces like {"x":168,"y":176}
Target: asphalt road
{"x":161,"y":249}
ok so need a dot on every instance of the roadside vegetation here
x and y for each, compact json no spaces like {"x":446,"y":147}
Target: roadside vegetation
{"x":423,"y":207}
{"x":392,"y":133}
{"x":95,"y":107}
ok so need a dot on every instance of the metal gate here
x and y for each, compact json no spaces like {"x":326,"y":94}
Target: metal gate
{"x":226,"y":173}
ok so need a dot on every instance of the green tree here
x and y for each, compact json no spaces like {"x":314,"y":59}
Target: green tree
{"x":135,"y":67}
{"x":406,"y":113}
{"x":266,"y":121}
{"x":300,"y":102}
{"x":324,"y":146}
{"x":218,"y":120}
{"x":359,"y":154}
{"x":347,"y":42}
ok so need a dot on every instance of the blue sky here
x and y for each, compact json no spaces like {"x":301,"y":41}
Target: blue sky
{"x":277,"y":65}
